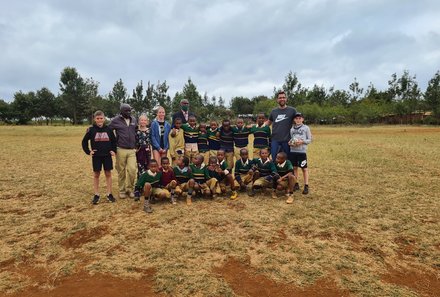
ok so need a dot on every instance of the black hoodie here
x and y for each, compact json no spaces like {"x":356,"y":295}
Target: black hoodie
{"x":101,"y":139}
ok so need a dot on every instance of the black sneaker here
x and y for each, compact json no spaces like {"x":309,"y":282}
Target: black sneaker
{"x":137,"y":196}
{"x":296,"y":187}
{"x":95,"y":199}
{"x":306,"y":189}
{"x":110,"y":198}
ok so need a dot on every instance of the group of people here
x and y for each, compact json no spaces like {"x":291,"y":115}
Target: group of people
{"x":163,"y":161}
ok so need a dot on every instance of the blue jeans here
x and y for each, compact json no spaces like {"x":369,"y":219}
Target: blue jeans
{"x":279,"y":146}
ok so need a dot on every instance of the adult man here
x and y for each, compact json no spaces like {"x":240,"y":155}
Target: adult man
{"x":125,"y":127}
{"x":183,"y":113}
{"x":281,"y":119}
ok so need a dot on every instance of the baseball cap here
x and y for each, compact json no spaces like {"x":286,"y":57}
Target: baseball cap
{"x":298,"y":114}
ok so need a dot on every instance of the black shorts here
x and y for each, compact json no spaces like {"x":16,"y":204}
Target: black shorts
{"x":298,"y":159}
{"x":100,"y":161}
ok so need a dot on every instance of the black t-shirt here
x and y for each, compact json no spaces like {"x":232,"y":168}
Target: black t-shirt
{"x":282,"y":120}
{"x":162,"y":132}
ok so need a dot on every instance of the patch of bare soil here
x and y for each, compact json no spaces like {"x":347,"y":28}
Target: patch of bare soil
{"x":423,"y":282}
{"x":407,"y":246}
{"x":83,"y":284}
{"x":246,"y":282}
{"x":84,"y":236}
{"x":238,"y":206}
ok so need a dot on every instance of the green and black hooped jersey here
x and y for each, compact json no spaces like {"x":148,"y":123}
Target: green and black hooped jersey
{"x":149,"y":177}
{"x":241,"y":136}
{"x":242,"y":167}
{"x":200,"y":174}
{"x":266,"y":167}
{"x":191,"y":134}
{"x":183,"y":175}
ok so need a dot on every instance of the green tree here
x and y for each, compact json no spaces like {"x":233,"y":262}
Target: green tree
{"x":161,"y":96}
{"x":45,"y":104}
{"x":73,"y":95}
{"x":137,"y":101}
{"x":242,"y":105}
{"x":22,"y":108}
{"x":356,"y":91}
{"x":317,"y":95}
{"x":150,"y":101}
{"x":190,"y":92}
{"x":432,"y":94}
{"x":5,"y":111}
{"x":292,"y":88}
{"x":116,"y":97}
{"x":264,"y":105}
{"x":405,"y":89}
{"x":338,"y":97}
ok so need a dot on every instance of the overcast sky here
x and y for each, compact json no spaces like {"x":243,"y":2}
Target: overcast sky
{"x":228,"y":48}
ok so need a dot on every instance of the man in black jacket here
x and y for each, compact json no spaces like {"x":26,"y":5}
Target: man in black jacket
{"x":184,"y":112}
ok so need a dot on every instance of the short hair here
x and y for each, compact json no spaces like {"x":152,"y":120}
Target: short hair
{"x":177,"y":120}
{"x":282,"y":154}
{"x":243,"y":150}
{"x":261,"y":114}
{"x":221,"y":151}
{"x":143,"y":115}
{"x":164,"y":159}
{"x":98,"y":113}
{"x":185,"y":160}
{"x":152,"y":162}
{"x":191,"y":116}
{"x":264,"y":149}
{"x":281,"y":93}
{"x":226,"y":121}
{"x":213,"y":159}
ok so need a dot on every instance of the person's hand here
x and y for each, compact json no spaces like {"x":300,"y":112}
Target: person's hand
{"x":92,"y":152}
{"x":112,"y":153}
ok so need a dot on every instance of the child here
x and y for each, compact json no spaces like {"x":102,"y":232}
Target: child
{"x":243,"y":170}
{"x":213,"y":140}
{"x":200,"y":175}
{"x":176,"y":140}
{"x":300,"y":138}
{"x":264,"y":171}
{"x":284,"y":179}
{"x":241,"y":137}
{"x":202,"y":142}
{"x":191,"y":135}
{"x":220,"y":177}
{"x":103,"y":147}
{"x":185,"y":181}
{"x":143,"y":142}
{"x":261,"y":135}
{"x":160,"y":130}
{"x":227,"y":142}
{"x":149,"y":184}
{"x":168,"y":179}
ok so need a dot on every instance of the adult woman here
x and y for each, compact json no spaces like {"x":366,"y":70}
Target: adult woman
{"x":159,"y":135}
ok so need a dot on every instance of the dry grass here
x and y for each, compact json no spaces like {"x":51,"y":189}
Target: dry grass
{"x":373,"y":210}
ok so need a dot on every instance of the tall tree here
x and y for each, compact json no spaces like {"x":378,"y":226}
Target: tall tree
{"x":291,"y":87}
{"x":432,"y":94}
{"x":46,"y":105}
{"x":356,"y":91}
{"x":116,"y":96}
{"x":22,"y":108}
{"x":73,"y":96}
{"x":137,"y":100}
{"x":405,"y":89}
{"x":338,"y":97}
{"x":190,"y":92}
{"x":161,"y":96}
{"x":5,"y":111}
{"x":317,"y":95}
{"x":150,"y":100}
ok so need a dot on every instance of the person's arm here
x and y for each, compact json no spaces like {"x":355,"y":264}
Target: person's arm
{"x":167,"y":129}
{"x":155,"y":138}
{"x":308,"y":139}
{"x":85,"y":142}
{"x":113,"y":142}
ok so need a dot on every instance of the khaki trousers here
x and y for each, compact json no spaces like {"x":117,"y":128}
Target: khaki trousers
{"x":126,"y":167}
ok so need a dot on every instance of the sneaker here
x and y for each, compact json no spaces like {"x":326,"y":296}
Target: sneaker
{"x":122,"y":195}
{"x":188,"y":199}
{"x":148,"y":209}
{"x":289,"y":199}
{"x":131,"y":195}
{"x":110,"y":198}
{"x":306,"y":189}
{"x":234,"y":195}
{"x":137,"y":196}
{"x":252,"y":193}
{"x":296,"y":187}
{"x":173,"y":200}
{"x":274,"y":195}
{"x":95,"y":199}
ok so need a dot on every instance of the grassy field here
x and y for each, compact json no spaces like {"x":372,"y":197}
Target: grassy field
{"x":369,"y":227}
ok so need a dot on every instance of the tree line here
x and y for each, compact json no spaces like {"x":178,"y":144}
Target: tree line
{"x":79,"y":97}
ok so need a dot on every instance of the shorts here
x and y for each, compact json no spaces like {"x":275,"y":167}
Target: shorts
{"x":102,"y":161}
{"x":263,"y":182}
{"x":158,"y":192}
{"x":298,"y":159}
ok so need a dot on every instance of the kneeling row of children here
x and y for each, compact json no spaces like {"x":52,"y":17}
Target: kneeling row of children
{"x":212,"y":179}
